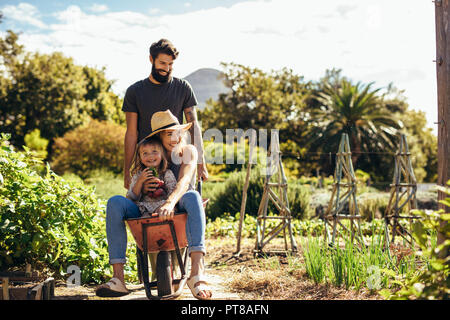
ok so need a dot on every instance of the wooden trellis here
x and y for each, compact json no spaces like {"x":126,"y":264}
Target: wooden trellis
{"x":344,"y":191}
{"x":403,"y":195}
{"x":276,"y":192}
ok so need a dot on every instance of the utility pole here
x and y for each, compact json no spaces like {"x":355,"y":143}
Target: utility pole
{"x":442,"y":8}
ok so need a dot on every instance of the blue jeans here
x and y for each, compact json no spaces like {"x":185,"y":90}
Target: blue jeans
{"x":120,"y":208}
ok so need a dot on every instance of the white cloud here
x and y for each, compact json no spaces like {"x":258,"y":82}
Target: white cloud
{"x":382,"y":41}
{"x":24,"y":13}
{"x":153,"y":11}
{"x":98,"y":7}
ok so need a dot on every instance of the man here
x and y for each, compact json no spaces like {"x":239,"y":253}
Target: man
{"x":160,"y":92}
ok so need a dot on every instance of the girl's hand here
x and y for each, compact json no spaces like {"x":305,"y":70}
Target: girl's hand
{"x":150,"y":185}
{"x":166,"y":211}
{"x":145,"y":175}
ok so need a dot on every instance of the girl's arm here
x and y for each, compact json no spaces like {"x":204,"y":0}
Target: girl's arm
{"x":131,"y":194}
{"x":187,"y":171}
{"x":137,"y":182}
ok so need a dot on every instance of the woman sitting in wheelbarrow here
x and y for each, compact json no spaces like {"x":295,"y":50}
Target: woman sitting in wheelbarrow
{"x":182,"y":162}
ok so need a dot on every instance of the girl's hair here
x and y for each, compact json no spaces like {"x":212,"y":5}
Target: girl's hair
{"x":137,"y":165}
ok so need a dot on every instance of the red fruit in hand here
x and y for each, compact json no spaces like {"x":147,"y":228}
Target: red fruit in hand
{"x":158,"y":193}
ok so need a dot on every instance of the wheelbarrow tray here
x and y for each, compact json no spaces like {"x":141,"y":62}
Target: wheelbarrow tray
{"x":158,"y":233}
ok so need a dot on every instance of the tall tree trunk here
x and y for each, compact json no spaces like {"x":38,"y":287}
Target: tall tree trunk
{"x":442,"y":8}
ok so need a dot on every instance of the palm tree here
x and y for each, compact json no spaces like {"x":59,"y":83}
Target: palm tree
{"x":342,"y":107}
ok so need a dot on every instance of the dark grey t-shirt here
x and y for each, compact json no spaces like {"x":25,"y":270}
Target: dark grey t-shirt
{"x":145,"y":98}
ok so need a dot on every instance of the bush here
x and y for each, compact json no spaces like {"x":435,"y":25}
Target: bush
{"x":47,"y":221}
{"x":432,"y":283}
{"x":97,"y":145}
{"x":228,"y":196}
{"x":36,"y":143}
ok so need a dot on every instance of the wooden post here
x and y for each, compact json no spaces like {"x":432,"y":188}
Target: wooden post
{"x":442,"y":8}
{"x":5,"y":288}
{"x":252,"y":145}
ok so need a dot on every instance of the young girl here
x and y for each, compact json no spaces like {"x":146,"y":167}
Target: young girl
{"x":150,"y":154}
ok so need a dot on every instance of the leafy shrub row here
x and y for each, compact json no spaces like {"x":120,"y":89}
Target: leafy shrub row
{"x":48,"y":221}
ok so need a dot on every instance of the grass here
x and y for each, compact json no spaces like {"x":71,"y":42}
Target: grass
{"x":352,"y":266}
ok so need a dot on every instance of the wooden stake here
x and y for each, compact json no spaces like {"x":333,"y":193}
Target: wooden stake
{"x":5,"y":288}
{"x":252,"y":145}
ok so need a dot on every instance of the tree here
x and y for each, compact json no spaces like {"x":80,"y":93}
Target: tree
{"x":261,"y":100}
{"x":51,"y":93}
{"x":338,"y":107}
{"x":257,"y":100}
{"x":422,"y":142}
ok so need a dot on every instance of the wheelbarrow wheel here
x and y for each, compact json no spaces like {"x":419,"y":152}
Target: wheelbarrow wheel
{"x":164,"y":273}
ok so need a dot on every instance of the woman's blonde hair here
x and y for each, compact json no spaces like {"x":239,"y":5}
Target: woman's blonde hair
{"x":137,"y":165}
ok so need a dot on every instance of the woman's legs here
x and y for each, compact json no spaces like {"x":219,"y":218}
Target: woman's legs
{"x":118,"y":209}
{"x":191,"y":202}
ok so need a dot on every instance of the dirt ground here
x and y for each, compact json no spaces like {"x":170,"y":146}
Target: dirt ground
{"x":244,"y":277}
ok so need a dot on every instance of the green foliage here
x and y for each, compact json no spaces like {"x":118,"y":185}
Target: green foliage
{"x":253,"y":93}
{"x":50,"y":92}
{"x":353,"y":266}
{"x":315,"y":259}
{"x":36,"y":143}
{"x":48,"y":221}
{"x":356,"y":109}
{"x":106,"y":183}
{"x":432,"y":283}
{"x":97,"y":145}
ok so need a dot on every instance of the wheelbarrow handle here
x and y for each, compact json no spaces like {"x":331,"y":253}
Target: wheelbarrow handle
{"x":199,"y":186}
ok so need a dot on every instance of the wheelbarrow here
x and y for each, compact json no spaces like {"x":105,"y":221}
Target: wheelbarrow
{"x":166,"y":243}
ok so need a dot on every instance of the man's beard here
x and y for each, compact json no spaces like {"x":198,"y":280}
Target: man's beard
{"x":158,"y":77}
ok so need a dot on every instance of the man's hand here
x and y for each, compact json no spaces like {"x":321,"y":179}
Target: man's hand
{"x":202,"y":171}
{"x":126,"y":181}
{"x":166,"y":211}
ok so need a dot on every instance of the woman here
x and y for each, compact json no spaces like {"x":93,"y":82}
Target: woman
{"x":182,"y":162}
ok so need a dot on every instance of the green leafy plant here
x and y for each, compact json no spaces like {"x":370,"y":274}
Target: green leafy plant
{"x":432,"y":283}
{"x":36,"y":143}
{"x":315,"y":258}
{"x":48,"y":221}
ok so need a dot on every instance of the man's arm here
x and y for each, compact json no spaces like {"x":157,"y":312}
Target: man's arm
{"x":131,"y":136}
{"x":196,"y":136}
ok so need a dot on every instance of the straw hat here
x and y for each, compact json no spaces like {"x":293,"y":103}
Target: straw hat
{"x":165,"y":120}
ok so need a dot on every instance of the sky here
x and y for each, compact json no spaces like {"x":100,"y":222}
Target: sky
{"x":380,"y":41}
